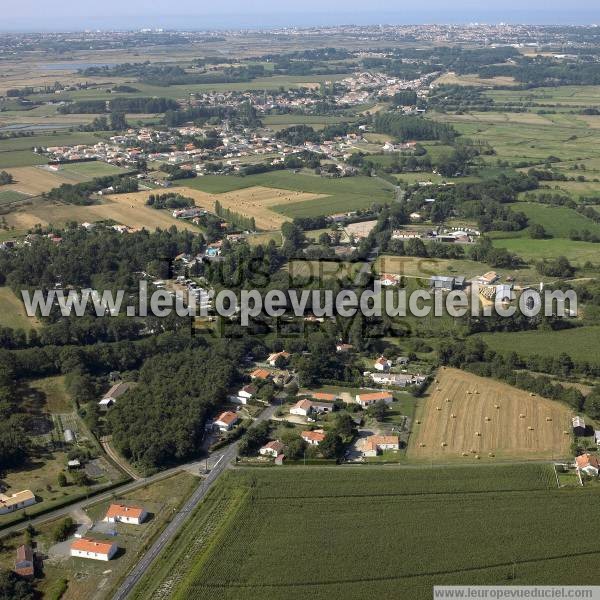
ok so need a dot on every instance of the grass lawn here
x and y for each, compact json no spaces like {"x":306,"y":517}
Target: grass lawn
{"x":12,"y":312}
{"x":373,"y":536}
{"x":580,"y":343}
{"x":56,"y":397}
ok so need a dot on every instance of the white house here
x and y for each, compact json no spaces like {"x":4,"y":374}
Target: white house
{"x":274,"y":449}
{"x":387,"y":280}
{"x":119,"y":513}
{"x":87,"y":548}
{"x":314,"y":438}
{"x":246,"y":393}
{"x":226,"y":420}
{"x":302,"y":408}
{"x":398,"y":379}
{"x":366,"y":400}
{"x":16,"y":501}
{"x":383,"y":364}
{"x":378,"y":443}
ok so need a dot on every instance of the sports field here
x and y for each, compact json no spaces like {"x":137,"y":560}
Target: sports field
{"x":352,"y":533}
{"x":465,"y":417}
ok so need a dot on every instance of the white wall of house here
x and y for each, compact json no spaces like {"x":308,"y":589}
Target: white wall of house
{"x":94,"y":555}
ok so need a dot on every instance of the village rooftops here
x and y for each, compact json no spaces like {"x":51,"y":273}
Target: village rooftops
{"x":273,"y":446}
{"x":381,"y":442}
{"x":587,"y":460}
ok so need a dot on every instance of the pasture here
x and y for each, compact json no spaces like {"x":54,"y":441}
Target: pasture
{"x":580,"y":343}
{"x":534,"y":250}
{"x":373,"y":535}
{"x":465,"y":417}
{"x":558,"y":221}
{"x":85,"y":171}
{"x":33,"y":181}
{"x":20,"y":158}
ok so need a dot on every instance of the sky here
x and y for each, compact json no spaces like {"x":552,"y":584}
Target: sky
{"x":31,"y":15}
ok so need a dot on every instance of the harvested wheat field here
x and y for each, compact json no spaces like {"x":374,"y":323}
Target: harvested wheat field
{"x":465,"y":417}
{"x":45,"y":212}
{"x":33,"y":181}
{"x":250,"y":202}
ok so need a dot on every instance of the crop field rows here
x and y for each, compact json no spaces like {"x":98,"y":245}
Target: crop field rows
{"x":297,"y":531}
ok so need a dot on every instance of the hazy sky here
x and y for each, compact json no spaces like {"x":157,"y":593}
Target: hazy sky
{"x":198,"y":14}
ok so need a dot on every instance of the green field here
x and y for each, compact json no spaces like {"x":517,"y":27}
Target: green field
{"x":59,"y":139}
{"x":346,"y":194}
{"x":12,"y":312}
{"x":352,"y":533}
{"x":580,"y":343}
{"x":10,"y":196}
{"x":84,"y":171}
{"x":567,"y":95}
{"x":558,"y":221}
{"x":533,"y":250}
{"x":20,"y":158}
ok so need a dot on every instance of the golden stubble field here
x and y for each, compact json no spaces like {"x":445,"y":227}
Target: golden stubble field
{"x":466,"y":417}
{"x":251,"y":202}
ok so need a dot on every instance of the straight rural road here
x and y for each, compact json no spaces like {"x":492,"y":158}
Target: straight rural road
{"x":182,"y":515}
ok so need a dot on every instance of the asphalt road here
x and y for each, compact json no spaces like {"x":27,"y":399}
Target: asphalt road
{"x":180,"y":517}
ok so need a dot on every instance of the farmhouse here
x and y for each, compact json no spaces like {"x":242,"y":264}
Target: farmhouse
{"x":226,"y":420}
{"x":302,"y":408}
{"x":589,"y":464}
{"x":87,"y":548}
{"x":273,"y":358}
{"x":119,"y":513}
{"x":115,"y":392}
{"x":17,"y":501}
{"x":24,"y":565}
{"x":447,"y":283}
{"x":578,"y":426}
{"x":375,"y":444}
{"x":366,"y":400}
{"x":383,"y":364}
{"x":274,"y":449}
{"x":314,"y":438}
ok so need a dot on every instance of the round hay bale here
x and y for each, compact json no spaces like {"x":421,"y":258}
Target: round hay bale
{"x":530,"y":428}
{"x":477,"y":456}
{"x":438,"y":389}
{"x":421,"y":445}
{"x":566,"y":433}
{"x":478,"y":433}
{"x":468,"y":392}
{"x":438,"y":408}
{"x":465,"y":454}
{"x":548,"y":419}
{"x":444,"y":444}
{"x":418,"y":422}
{"x":453,"y":416}
{"x":448,"y":400}
{"x":491,"y":455}
{"x":521,"y":416}
{"x":497,"y":406}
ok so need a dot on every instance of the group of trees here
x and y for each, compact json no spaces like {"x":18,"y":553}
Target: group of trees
{"x":237,"y":220}
{"x":80,"y":193}
{"x":407,"y":128}
{"x":135,"y":105}
{"x":170,"y":200}
{"x":5,"y":178}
